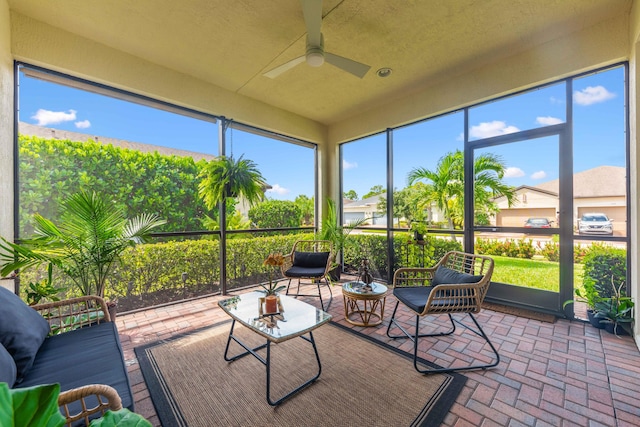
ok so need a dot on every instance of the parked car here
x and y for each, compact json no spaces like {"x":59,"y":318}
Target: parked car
{"x":595,"y":223}
{"x":537,"y":223}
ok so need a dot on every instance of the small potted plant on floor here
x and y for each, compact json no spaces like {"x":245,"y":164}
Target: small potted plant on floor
{"x":588,"y":294}
{"x":616,"y":312}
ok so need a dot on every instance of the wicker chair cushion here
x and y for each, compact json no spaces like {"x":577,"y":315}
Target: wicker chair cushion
{"x":414,"y":297}
{"x":444,"y":275}
{"x":90,"y":355}
{"x":22,"y":330}
{"x":8,"y":370}
{"x":310,"y":259}
{"x":304,"y":272}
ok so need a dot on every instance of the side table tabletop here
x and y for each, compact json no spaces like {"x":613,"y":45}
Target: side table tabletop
{"x":371,"y":310}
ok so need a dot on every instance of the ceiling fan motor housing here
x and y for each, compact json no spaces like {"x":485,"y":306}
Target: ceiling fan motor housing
{"x":315,"y":54}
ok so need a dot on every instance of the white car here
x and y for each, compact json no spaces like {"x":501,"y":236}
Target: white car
{"x":595,"y":223}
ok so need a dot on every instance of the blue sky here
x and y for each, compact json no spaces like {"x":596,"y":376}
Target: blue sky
{"x":599,"y":137}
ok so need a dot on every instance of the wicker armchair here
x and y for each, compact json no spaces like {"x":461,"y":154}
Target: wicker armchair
{"x":93,"y":398}
{"x":309,"y":260}
{"x":457,"y":284}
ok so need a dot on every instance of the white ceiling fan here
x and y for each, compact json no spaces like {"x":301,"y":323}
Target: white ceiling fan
{"x":315,"y":54}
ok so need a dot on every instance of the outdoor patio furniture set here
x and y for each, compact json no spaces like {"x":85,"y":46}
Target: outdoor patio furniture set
{"x":75,"y":343}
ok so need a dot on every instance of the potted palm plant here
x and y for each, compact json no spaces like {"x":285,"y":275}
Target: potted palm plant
{"x":337,"y":235}
{"x":85,"y":245}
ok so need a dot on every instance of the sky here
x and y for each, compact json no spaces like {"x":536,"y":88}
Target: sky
{"x":599,"y":134}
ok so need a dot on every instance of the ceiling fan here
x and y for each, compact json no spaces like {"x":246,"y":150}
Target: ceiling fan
{"x":315,"y":54}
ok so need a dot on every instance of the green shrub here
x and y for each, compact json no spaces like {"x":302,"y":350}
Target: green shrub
{"x":551,"y":251}
{"x":605,"y":265}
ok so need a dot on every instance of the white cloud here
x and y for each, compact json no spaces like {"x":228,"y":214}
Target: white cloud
{"x":513,"y":172}
{"x":346,"y":165}
{"x":83,"y":124}
{"x":46,"y":117}
{"x":555,"y":100}
{"x":539,"y":175}
{"x":489,"y":129}
{"x":277,"y":189}
{"x":592,"y":95}
{"x":548,"y":121}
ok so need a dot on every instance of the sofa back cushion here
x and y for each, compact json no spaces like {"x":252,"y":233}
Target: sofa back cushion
{"x":8,"y":370}
{"x":22,"y":330}
{"x":310,"y":259}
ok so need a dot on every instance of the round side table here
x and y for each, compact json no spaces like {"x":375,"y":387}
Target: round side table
{"x":364,"y":307}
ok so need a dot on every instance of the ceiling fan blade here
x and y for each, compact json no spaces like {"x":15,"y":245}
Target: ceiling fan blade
{"x":312,"y":11}
{"x":272,"y":74}
{"x":358,"y":69}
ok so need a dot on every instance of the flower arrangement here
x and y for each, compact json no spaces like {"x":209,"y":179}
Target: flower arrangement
{"x":273,"y":260}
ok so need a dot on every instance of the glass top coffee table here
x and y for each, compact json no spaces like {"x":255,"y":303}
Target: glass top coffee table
{"x":294,"y":319}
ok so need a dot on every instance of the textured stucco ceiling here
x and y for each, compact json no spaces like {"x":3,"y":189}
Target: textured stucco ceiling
{"x":232,"y":43}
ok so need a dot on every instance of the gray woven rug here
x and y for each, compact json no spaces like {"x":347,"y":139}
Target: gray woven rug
{"x":363,"y":382}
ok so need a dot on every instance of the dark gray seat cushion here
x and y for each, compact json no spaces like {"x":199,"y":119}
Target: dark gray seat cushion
{"x":414,"y":297}
{"x":90,"y":355}
{"x":8,"y":370}
{"x":22,"y":330}
{"x":305,"y":272}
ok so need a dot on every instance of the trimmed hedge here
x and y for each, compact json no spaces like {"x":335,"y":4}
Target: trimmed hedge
{"x":141,"y":182}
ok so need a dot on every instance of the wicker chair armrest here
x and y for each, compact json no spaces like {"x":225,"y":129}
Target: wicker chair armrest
{"x":461,"y":298}
{"x":74,"y":313}
{"x":410,"y":277}
{"x":105,"y":398}
{"x":288,"y":262}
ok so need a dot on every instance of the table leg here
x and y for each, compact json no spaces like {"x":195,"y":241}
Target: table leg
{"x":267,"y":362}
{"x":300,"y":387}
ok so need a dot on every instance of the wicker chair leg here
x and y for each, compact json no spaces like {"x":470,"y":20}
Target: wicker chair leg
{"x":407,"y":334}
{"x":317,"y":282}
{"x":479,"y":332}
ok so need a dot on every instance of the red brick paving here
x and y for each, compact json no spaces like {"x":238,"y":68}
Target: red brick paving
{"x":561,"y":374}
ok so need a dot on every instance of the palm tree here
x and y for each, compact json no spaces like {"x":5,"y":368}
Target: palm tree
{"x":86,"y":245}
{"x":445,"y":185}
{"x":225,"y":177}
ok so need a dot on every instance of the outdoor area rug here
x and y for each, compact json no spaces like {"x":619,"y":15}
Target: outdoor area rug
{"x":363,"y":382}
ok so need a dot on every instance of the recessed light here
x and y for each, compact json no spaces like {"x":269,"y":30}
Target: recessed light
{"x":384,"y":72}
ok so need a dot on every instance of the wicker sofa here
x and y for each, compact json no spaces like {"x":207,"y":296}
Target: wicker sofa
{"x":71,"y":342}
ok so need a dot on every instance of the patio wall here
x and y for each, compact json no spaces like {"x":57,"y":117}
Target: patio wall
{"x":6,"y":129}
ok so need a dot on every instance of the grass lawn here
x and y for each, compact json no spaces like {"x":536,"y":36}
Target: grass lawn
{"x":531,"y":273}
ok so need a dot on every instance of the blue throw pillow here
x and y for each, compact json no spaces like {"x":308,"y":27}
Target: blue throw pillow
{"x":448,"y":276}
{"x":22,"y":330}
{"x":8,"y":370}
{"x":310,"y":259}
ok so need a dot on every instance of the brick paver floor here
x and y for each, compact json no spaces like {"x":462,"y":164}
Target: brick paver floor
{"x":551,"y":374}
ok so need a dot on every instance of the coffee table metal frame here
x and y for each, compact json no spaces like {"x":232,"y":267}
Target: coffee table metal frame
{"x":372,"y":301}
{"x":238,"y":309}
